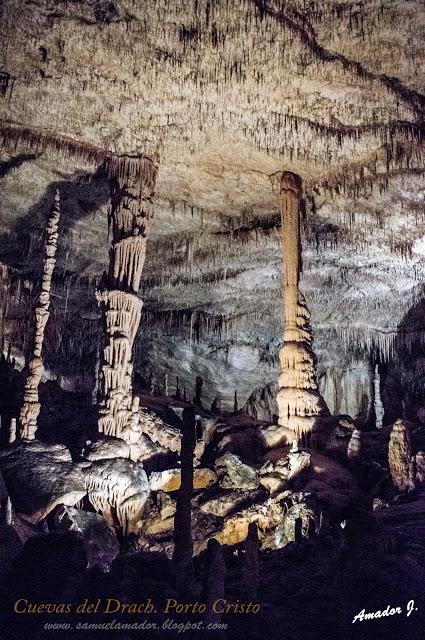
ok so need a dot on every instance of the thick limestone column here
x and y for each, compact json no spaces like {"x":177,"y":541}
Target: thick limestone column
{"x":298,"y":398}
{"x":400,"y":456}
{"x":31,"y":405}
{"x":133,"y":185}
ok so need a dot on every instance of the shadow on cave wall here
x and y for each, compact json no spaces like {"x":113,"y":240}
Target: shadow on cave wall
{"x":65,"y":351}
{"x":403,"y":377}
{"x":21,"y":247}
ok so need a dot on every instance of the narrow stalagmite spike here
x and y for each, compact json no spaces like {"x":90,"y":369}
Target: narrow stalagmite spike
{"x":215,"y":581}
{"x":31,"y":406}
{"x":183,"y":544}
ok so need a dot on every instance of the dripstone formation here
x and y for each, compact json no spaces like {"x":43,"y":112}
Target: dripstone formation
{"x":299,"y":401}
{"x":130,"y":215}
{"x":31,"y":405}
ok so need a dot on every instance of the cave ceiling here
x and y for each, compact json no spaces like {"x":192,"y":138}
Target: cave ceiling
{"x":223,"y":95}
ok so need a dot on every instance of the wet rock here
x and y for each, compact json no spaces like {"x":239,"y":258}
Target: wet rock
{"x":100,"y":541}
{"x":235,"y":474}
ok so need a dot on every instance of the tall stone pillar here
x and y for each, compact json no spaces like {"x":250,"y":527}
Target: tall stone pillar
{"x":132,"y":188}
{"x":31,"y":405}
{"x":299,"y":401}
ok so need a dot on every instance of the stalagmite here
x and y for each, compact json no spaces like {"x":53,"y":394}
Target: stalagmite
{"x":9,"y":511}
{"x":178,"y":393}
{"x":354,"y":445}
{"x":235,"y":402}
{"x":379,"y":408}
{"x":12,"y":431}
{"x":183,"y":545}
{"x":250,"y":563}
{"x":31,"y":405}
{"x":152,"y":383}
{"x":399,"y":456}
{"x":131,"y":211}
{"x":198,"y":391}
{"x":166,"y":385}
{"x":299,"y":402}
{"x":420,"y":467}
{"x":214,"y":588}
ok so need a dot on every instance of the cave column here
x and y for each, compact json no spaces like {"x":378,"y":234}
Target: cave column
{"x":31,"y":405}
{"x":298,"y":398}
{"x":132,"y":188}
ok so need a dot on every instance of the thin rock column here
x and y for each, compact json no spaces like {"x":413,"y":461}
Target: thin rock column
{"x":183,"y":545}
{"x":31,"y":405}
{"x":250,"y":562}
{"x":215,"y":582}
{"x":133,"y":182}
{"x":299,"y":401}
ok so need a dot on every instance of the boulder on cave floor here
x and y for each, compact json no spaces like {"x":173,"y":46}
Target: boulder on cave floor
{"x":100,"y":540}
{"x":106,"y":448}
{"x":223,"y":502}
{"x":235,"y":474}
{"x":170,"y":479}
{"x":40,"y":476}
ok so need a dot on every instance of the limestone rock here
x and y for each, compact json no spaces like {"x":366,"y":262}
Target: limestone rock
{"x":100,"y":540}
{"x":399,"y":456}
{"x":235,"y":474}
{"x":118,"y":489}
{"x":166,"y":505}
{"x":40,"y":476}
{"x":309,"y":522}
{"x":106,"y":448}
{"x":420,"y":466}
{"x":354,"y":446}
{"x":261,"y":404}
{"x":169,"y":480}
{"x":223,"y":502}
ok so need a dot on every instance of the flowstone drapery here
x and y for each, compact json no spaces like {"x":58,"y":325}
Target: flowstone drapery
{"x":133,"y":185}
{"x":31,"y":405}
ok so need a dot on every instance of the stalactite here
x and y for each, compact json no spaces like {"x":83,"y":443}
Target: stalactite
{"x":31,"y":405}
{"x":183,"y":544}
{"x":300,"y":404}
